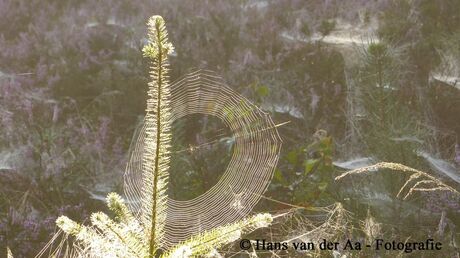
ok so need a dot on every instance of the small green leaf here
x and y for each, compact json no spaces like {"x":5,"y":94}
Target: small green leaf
{"x":309,"y":165}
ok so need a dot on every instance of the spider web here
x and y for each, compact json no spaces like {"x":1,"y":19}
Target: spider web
{"x":248,"y":174}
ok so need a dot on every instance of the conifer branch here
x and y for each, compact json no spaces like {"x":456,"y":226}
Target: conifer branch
{"x":156,"y":158}
{"x":205,"y":242}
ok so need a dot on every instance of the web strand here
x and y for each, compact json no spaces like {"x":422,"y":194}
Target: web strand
{"x":250,"y":170}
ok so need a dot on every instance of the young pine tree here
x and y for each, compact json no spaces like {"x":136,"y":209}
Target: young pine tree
{"x":143,"y":236}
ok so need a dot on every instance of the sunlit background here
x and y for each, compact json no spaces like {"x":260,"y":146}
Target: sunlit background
{"x":350,"y":84}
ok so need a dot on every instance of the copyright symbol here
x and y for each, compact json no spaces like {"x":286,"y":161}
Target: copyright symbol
{"x":245,"y":244}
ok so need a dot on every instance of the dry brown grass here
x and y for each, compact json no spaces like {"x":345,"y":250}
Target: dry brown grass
{"x":418,"y":181}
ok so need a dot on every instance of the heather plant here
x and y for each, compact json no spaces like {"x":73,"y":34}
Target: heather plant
{"x":56,"y":143}
{"x":326,"y":27}
{"x":40,"y":171}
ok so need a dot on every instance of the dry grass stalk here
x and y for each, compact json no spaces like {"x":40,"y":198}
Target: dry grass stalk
{"x":427,"y":183}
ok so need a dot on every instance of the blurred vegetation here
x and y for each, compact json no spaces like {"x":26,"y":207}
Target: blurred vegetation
{"x":72,"y":88}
